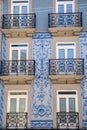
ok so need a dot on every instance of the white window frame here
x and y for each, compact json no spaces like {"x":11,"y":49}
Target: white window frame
{"x":67,"y":96}
{"x":18,"y":48}
{"x":65,"y":3}
{"x":17,"y":97}
{"x":20,"y":6}
{"x":66,"y":48}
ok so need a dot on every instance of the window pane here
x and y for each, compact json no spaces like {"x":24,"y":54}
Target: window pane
{"x":24,"y":10}
{"x":62,"y":102}
{"x":70,"y":53}
{"x":61,"y":53}
{"x":71,"y":104}
{"x":22,"y":104}
{"x":23,"y":55}
{"x":60,"y":8}
{"x":14,"y":54}
{"x":64,"y":0}
{"x":69,"y":8}
{"x":16,"y":10}
{"x":13,"y":104}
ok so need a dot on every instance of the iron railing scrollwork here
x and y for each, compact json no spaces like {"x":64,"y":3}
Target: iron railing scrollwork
{"x":16,"y":120}
{"x":65,"y":19}
{"x":66,"y":66}
{"x":10,"y":21}
{"x":68,"y":120}
{"x":17,"y":67}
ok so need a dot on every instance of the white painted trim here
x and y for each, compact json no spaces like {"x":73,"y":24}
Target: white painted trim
{"x":67,"y":96}
{"x":65,"y":47}
{"x":18,"y":48}
{"x":17,"y":97}
{"x":20,"y":6}
{"x":65,"y":3}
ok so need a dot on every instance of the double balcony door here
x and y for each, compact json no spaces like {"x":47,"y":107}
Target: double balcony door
{"x":65,"y":10}
{"x":66,"y":55}
{"x":19,"y":57}
{"x":17,"y":110}
{"x":67,"y":109}
{"x":20,"y":11}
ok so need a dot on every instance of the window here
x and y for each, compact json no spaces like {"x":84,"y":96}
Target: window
{"x":20,"y":7}
{"x":67,"y":101}
{"x":65,"y":50}
{"x":65,"y":6}
{"x":17,"y":101}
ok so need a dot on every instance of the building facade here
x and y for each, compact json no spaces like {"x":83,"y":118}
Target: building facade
{"x":43,"y":64}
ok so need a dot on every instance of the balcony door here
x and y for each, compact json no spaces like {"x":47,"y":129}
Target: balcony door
{"x":17,"y":110}
{"x":18,"y":57}
{"x":65,"y":10}
{"x":65,"y":55}
{"x":20,"y":9}
{"x":67,"y":108}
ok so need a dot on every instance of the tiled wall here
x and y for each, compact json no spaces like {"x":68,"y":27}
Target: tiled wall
{"x":1,"y":102}
{"x":42,"y":109}
{"x":3,"y":47}
{"x":83,"y":54}
{"x":83,"y":8}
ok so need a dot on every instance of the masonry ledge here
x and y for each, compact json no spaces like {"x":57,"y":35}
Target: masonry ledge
{"x":19,"y":32}
{"x":66,"y":78}
{"x":65,"y":31}
{"x":17,"y":79}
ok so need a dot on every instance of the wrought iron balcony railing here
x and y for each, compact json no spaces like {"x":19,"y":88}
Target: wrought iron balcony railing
{"x":10,"y":21}
{"x":16,"y":120}
{"x":66,"y":66}
{"x":16,"y":67}
{"x":65,"y":20}
{"x":67,"y":120}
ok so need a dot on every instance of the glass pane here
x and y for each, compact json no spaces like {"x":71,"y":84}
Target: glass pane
{"x":62,"y":102}
{"x":23,"y":62}
{"x":70,"y":53}
{"x":16,"y":10}
{"x":71,"y":104}
{"x":69,"y":8}
{"x":24,"y":10}
{"x":14,"y":54}
{"x":13,"y":104}
{"x":61,"y":53}
{"x":14,"y":63}
{"x":23,"y":54}
{"x":60,"y":8}
{"x":22,"y":104}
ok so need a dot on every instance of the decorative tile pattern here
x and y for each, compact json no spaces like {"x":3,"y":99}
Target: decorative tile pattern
{"x":3,"y":47}
{"x":83,"y":54}
{"x":1,"y":101}
{"x":42,"y":110}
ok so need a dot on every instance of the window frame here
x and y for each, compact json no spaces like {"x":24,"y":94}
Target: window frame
{"x":67,"y":96}
{"x":66,"y":48}
{"x":19,"y":49}
{"x":65,"y":3}
{"x":20,"y":6}
{"x":17,"y":97}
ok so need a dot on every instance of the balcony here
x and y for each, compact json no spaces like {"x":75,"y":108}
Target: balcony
{"x":67,"y":120}
{"x":66,"y":70}
{"x":14,"y":25}
{"x":17,"y":70}
{"x":16,"y":121}
{"x":65,"y":24}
